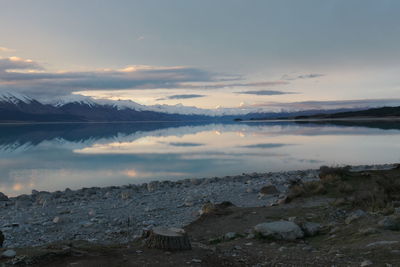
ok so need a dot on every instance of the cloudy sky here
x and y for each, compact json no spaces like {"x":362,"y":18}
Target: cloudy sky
{"x":227,"y":53}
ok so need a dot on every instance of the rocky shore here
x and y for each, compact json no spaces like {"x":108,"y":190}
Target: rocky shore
{"x":119,"y":214}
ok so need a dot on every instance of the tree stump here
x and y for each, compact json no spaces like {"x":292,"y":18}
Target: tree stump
{"x":168,"y":239}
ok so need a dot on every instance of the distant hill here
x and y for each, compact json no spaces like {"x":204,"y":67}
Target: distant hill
{"x":384,"y":112}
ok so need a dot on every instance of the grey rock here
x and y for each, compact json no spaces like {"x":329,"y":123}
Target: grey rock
{"x":366,"y":263}
{"x":390,"y":223}
{"x":311,"y":228}
{"x":230,"y":235}
{"x":9,"y":253}
{"x":382,"y":243}
{"x":368,"y":231}
{"x":354,"y":216}
{"x":281,"y":230}
{"x":269,"y":190}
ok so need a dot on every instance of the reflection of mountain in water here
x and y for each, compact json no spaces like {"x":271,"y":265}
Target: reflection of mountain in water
{"x":24,"y":136}
{"x":13,"y":137}
{"x":377,"y":124}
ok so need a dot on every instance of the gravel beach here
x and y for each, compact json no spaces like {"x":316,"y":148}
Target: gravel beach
{"x":119,"y":214}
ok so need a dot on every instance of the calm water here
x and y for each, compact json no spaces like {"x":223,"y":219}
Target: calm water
{"x":53,"y":157}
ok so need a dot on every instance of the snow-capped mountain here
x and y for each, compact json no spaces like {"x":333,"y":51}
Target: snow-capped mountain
{"x":14,"y":98}
{"x":14,"y":108}
{"x":17,"y":107}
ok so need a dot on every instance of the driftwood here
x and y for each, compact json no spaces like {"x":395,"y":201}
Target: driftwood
{"x":168,"y":239}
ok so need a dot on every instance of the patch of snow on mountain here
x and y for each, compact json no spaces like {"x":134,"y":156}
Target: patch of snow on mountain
{"x":14,"y":98}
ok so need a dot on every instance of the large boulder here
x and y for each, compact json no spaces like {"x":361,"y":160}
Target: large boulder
{"x":280,"y":230}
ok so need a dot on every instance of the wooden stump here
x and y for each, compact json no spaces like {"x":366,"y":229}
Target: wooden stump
{"x":168,"y":239}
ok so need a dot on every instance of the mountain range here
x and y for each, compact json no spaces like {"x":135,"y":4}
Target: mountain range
{"x":77,"y":108}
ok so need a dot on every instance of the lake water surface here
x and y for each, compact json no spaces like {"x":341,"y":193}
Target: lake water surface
{"x":56,"y":156}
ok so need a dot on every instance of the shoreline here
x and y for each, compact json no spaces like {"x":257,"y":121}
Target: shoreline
{"x":118,"y":214}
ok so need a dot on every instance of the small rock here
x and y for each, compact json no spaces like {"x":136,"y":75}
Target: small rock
{"x":125,"y":195}
{"x":268,"y":190}
{"x":9,"y":253}
{"x":230,"y":236}
{"x":382,"y":243}
{"x":355,"y":216}
{"x":196,"y":261}
{"x":366,"y":263}
{"x":56,"y":219}
{"x":281,"y":230}
{"x":250,"y":236}
{"x":250,"y":190}
{"x":368,"y":231}
{"x":390,"y":223}
{"x":311,"y":228}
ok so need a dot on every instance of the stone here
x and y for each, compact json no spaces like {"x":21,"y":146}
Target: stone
{"x":57,"y":220}
{"x":269,"y":190}
{"x":3,"y":197}
{"x":366,"y":263}
{"x":152,"y":186}
{"x":354,"y":216}
{"x":368,"y":231}
{"x":230,"y":235}
{"x":125,"y":195}
{"x":390,"y":223}
{"x":280,"y":230}
{"x":92,"y":213}
{"x":250,"y":190}
{"x":311,"y":228}
{"x":9,"y":253}
{"x":382,"y":243}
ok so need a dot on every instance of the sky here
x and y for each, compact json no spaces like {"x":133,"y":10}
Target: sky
{"x":207,"y":54}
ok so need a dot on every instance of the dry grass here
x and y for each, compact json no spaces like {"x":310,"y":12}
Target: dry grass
{"x":369,"y":190}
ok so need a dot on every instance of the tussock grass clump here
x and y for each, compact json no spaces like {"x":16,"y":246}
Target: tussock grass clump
{"x":369,"y":190}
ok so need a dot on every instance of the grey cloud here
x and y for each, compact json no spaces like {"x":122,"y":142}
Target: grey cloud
{"x":266,"y":92}
{"x":250,"y":84}
{"x":15,"y":63}
{"x":267,"y":145}
{"x":289,"y":77}
{"x":185,"y":144}
{"x":63,"y":83}
{"x":186,"y":96}
{"x":50,"y":84}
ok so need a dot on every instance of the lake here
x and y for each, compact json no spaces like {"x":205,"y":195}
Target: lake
{"x":57,"y":156}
